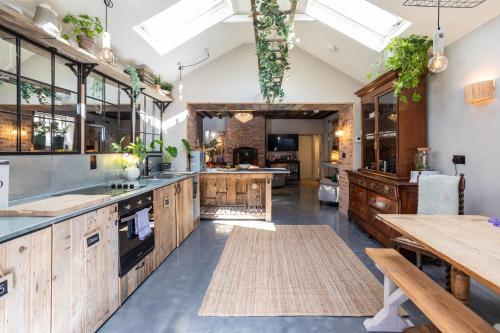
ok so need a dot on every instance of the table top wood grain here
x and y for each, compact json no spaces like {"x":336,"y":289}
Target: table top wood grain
{"x":467,"y":242}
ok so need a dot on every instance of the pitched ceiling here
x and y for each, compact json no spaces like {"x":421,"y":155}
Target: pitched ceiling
{"x":316,"y":38}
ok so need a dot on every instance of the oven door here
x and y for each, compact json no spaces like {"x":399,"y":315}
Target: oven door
{"x":132,"y":248}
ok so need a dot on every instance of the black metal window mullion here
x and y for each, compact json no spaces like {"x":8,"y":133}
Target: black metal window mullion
{"x":52,"y":95}
{"x":18,"y":96}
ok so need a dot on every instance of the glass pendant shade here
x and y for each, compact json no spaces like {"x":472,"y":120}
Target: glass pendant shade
{"x":106,"y":54}
{"x":438,"y":62}
{"x":243,"y":117}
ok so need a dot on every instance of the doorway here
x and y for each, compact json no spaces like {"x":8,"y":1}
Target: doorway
{"x":309,"y":156}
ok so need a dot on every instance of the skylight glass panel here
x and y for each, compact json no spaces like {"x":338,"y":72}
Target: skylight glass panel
{"x":182,"y":21}
{"x":361,"y":20}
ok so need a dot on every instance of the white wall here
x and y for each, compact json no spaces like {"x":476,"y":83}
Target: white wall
{"x":233,"y":78}
{"x":455,"y":127}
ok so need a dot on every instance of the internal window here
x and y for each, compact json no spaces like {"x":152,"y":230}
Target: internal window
{"x":148,"y":120}
{"x":360,"y":20}
{"x":183,"y":21}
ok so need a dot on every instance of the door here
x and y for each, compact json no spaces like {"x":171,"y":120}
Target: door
{"x":184,"y":209}
{"x":85,"y":271}
{"x":25,"y":283}
{"x":165,"y":226}
{"x":306,"y":156}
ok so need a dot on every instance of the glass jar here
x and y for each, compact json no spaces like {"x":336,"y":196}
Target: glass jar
{"x":422,"y":159}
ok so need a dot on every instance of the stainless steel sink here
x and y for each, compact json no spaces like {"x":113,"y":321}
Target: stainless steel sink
{"x":159,"y":177}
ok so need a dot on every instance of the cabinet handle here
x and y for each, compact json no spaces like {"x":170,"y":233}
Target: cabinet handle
{"x":140,"y":266}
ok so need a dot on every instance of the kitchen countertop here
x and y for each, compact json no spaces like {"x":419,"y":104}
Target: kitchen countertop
{"x":12,"y":227}
{"x":248,"y":171}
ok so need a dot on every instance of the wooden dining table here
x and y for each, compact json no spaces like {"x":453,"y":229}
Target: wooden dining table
{"x":469,"y":243}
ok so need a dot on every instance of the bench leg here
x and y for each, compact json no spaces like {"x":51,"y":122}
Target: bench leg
{"x":387,"y":319}
{"x":460,"y":285}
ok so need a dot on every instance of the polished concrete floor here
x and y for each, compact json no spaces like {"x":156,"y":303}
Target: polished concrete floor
{"x":169,"y":300}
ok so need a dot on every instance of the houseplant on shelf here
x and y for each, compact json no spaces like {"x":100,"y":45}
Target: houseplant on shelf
{"x":59,"y":135}
{"x":40,"y":130}
{"x":169,"y":153}
{"x":84,"y":30}
{"x":133,"y":155}
{"x":408,"y":56}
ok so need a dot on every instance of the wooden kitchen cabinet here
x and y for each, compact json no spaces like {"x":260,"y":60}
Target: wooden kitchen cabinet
{"x":133,"y":279}
{"x":184,"y":209}
{"x":165,"y":224}
{"x":85,"y":283}
{"x":25,"y":263}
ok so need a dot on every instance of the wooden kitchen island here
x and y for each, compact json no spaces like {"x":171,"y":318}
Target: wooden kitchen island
{"x":237,"y":194}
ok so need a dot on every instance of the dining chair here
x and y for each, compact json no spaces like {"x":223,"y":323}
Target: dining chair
{"x":405,"y":243}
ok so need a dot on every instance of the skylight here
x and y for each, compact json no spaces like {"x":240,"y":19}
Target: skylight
{"x":370,"y":25}
{"x":182,"y":21}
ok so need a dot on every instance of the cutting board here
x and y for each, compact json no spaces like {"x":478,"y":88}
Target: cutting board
{"x":54,"y":206}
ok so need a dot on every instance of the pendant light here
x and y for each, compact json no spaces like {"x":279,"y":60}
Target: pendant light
{"x":106,"y":54}
{"x":438,"y":62}
{"x":181,"y":67}
{"x":243,"y":117}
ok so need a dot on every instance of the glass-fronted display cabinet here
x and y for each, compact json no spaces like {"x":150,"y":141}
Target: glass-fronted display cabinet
{"x":392,"y":130}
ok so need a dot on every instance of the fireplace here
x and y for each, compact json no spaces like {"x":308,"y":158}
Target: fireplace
{"x":246,"y":155}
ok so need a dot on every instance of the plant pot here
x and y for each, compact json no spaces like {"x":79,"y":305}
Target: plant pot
{"x":59,"y":142}
{"x":166,"y":166}
{"x":39,"y":141}
{"x":158,"y":88}
{"x":131,"y":173}
{"x":86,"y":43}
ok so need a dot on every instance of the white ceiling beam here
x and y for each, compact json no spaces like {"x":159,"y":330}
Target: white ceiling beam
{"x":244,"y":18}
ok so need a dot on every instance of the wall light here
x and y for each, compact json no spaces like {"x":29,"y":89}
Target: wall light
{"x":339,"y":133}
{"x":479,"y":91}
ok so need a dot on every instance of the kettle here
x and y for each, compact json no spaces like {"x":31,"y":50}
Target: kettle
{"x":47,"y":19}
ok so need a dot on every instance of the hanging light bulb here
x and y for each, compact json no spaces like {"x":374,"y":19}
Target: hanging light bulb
{"x":438,"y":62}
{"x":106,"y":54}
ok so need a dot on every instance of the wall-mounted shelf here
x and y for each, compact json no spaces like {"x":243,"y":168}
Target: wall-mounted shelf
{"x":17,"y":22}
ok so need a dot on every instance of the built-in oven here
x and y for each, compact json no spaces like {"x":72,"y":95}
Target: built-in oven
{"x":134,"y":244}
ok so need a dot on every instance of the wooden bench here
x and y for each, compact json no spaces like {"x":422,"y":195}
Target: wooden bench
{"x":402,"y":282}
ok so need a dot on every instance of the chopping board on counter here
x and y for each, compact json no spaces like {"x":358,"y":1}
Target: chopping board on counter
{"x":54,"y":206}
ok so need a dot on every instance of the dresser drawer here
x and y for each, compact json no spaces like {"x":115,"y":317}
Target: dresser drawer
{"x":356,"y":192}
{"x":360,"y":208}
{"x":358,"y":180}
{"x":381,"y":188}
{"x":383,"y":204}
{"x":384,"y":232}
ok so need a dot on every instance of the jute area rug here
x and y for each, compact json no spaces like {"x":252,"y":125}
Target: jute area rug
{"x":296,"y":270}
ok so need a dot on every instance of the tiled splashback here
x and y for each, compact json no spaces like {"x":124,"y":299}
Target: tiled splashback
{"x":42,"y":174}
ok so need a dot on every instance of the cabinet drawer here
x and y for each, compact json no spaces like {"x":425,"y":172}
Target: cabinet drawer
{"x":383,"y":204}
{"x":359,"y":208}
{"x":358,"y":180}
{"x":381,"y":188}
{"x":385,"y":233}
{"x":357,"y":193}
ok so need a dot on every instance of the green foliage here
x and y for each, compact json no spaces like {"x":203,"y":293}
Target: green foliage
{"x":59,"y":131}
{"x":158,"y":79}
{"x":186,"y":145}
{"x":409,"y":58}
{"x":40,"y":127}
{"x":43,"y":95}
{"x":117,"y":147}
{"x":83,"y":24}
{"x":137,"y":149}
{"x":135,"y":82}
{"x":166,"y":86}
{"x":169,"y":153}
{"x":273,"y":56}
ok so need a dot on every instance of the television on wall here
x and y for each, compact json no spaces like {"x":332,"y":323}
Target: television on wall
{"x":282,"y":142}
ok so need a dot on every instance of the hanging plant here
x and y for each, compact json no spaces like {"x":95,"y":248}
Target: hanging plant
{"x":409,"y":57}
{"x":272,"y":39}
{"x":134,"y":82}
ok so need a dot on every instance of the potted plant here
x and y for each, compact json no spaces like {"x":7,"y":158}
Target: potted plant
{"x":167,"y":86}
{"x":169,"y":153}
{"x":59,"y":135}
{"x":84,"y":30}
{"x":158,"y":82}
{"x":133,"y":155}
{"x":187,"y":148}
{"x":40,"y":130}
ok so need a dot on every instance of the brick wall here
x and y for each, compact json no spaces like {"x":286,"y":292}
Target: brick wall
{"x":251,"y":134}
{"x":346,"y":146}
{"x":8,"y":136}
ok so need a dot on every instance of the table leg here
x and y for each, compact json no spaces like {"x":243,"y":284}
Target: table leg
{"x":460,"y":284}
{"x":269,"y":202}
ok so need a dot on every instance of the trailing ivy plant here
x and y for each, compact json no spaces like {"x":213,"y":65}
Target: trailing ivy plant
{"x":134,"y":82}
{"x":43,"y":95}
{"x":83,"y":24}
{"x":272,"y":55}
{"x":409,"y":57}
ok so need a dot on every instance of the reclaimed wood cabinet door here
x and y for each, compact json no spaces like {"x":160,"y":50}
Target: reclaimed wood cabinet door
{"x":165,"y":225}
{"x":25,"y":283}
{"x":133,"y":279}
{"x":184,"y":209}
{"x":85,"y":283}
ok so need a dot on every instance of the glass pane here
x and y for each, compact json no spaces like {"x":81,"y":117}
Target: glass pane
{"x":95,"y":86}
{"x":65,"y":78}
{"x":111,"y":91}
{"x":8,"y":132}
{"x":94,"y":138}
{"x":35,"y":63}
{"x":38,"y":138}
{"x":112,"y":135}
{"x":7,"y":53}
{"x":124,"y":97}
{"x":148,"y":139}
{"x":37,"y":94}
{"x":368,"y":118}
{"x":66,"y":103}
{"x":125,"y":117}
{"x":8,"y":92}
{"x":64,"y":134}
{"x":387,"y":122}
